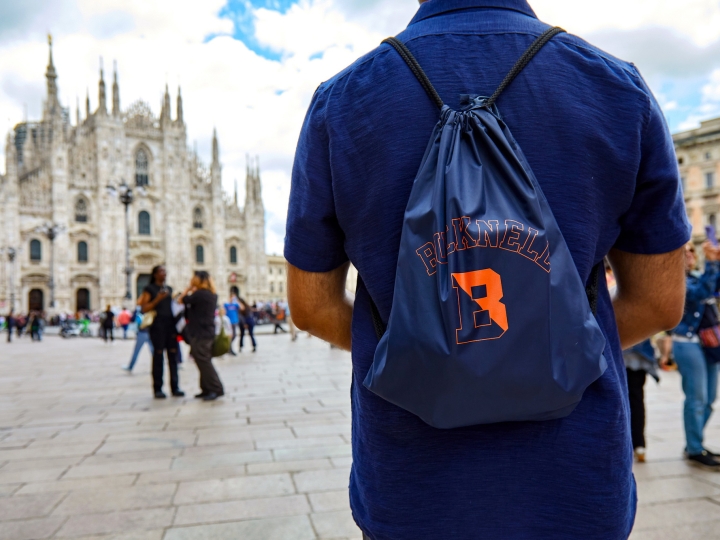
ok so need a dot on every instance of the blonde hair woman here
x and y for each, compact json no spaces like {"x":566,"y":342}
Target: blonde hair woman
{"x":200,"y":303}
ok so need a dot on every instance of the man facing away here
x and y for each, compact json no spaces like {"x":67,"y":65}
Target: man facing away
{"x":598,"y":144}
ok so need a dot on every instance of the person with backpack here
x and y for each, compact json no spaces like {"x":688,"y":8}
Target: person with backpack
{"x":693,"y":344}
{"x":476,"y":170}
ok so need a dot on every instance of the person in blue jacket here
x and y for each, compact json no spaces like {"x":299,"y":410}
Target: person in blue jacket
{"x":699,"y":375}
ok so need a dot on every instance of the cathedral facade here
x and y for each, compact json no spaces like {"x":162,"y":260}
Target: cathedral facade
{"x":63,"y":220}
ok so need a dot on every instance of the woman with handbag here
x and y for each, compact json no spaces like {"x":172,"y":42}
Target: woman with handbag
{"x":200,"y":302}
{"x":699,"y":375}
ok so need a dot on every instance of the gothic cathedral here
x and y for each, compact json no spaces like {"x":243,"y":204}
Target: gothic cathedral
{"x":63,"y":217}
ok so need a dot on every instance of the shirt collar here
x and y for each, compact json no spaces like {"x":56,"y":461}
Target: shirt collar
{"x":438,"y":7}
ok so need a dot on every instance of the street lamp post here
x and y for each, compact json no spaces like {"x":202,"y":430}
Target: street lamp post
{"x":126,"y":196}
{"x":51,"y":231}
{"x":11,"y":253}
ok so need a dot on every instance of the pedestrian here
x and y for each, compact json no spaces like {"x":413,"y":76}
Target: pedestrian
{"x":123,"y":319}
{"x":698,"y":372}
{"x":232,"y":310}
{"x":607,"y":170}
{"x":9,"y":324}
{"x":222,"y":323}
{"x":108,"y":324}
{"x":639,"y":362}
{"x":200,"y":303}
{"x":142,"y":337}
{"x":247,"y":324}
{"x":156,"y":298}
{"x":32,"y":323}
{"x":278,"y":317}
{"x":291,"y":324}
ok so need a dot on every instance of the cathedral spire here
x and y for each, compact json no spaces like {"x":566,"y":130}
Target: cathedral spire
{"x":215,"y":149}
{"x":179,"y":107}
{"x":166,"y":113}
{"x":236,"y":197}
{"x":253,"y":188}
{"x":51,"y":76}
{"x":87,"y":103}
{"x":77,"y":110}
{"x":102,"y":105}
{"x":116,"y":91}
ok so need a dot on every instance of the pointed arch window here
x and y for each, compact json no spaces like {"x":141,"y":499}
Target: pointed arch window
{"x":82,"y":251}
{"x":35,"y":250}
{"x":81,"y":210}
{"x":144,"y":223}
{"x":141,"y":168}
{"x":199,"y":254}
{"x":198,"y":218}
{"x":233,"y":255}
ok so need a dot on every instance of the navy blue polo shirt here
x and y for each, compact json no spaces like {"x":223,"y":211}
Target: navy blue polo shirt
{"x":597,"y":141}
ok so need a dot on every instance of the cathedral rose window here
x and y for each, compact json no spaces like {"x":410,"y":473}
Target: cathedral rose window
{"x":141,"y":168}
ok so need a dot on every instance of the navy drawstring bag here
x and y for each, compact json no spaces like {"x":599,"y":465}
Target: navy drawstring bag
{"x":490,"y":320}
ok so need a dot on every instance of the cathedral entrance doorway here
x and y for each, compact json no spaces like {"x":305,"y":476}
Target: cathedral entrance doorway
{"x":143,"y":280}
{"x":82,"y":300}
{"x":36,"y":300}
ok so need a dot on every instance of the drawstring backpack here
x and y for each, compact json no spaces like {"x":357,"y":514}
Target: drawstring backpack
{"x":490,"y":321}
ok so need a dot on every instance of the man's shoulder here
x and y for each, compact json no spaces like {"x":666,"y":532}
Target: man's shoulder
{"x":574,"y":48}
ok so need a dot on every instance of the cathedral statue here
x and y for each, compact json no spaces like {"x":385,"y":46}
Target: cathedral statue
{"x":66,"y":229}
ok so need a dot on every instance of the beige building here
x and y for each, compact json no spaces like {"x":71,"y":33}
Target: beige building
{"x":698,"y":154}
{"x":277,"y":277}
{"x":63,"y":232}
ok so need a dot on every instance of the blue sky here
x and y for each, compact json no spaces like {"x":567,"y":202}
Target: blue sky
{"x":241,"y":13}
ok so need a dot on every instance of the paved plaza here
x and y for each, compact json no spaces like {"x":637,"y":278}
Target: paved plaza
{"x":85,"y":452}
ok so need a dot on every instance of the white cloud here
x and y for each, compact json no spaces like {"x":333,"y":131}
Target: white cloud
{"x":256,"y":104}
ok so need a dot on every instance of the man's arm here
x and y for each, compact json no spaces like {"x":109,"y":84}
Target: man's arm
{"x":321,"y":305}
{"x":650,"y":293}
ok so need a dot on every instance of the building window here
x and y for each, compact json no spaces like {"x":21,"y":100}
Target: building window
{"x":141,"y":168}
{"x":683,"y":183}
{"x":710,"y":180}
{"x":35,"y":250}
{"x":281,"y":287}
{"x":233,"y":255}
{"x":198,"y":218}
{"x":272,"y":287}
{"x":144,"y":223}
{"x":680,"y":161}
{"x":82,"y":252}
{"x":280,"y":271}
{"x":708,"y":156}
{"x":81,"y":211}
{"x":199,"y":254}
{"x":270,"y":271}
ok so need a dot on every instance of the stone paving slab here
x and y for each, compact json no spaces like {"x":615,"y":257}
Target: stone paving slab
{"x":86,"y":453}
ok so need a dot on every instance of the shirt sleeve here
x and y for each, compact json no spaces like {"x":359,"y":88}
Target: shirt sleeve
{"x":656,"y":221}
{"x":314,"y":241}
